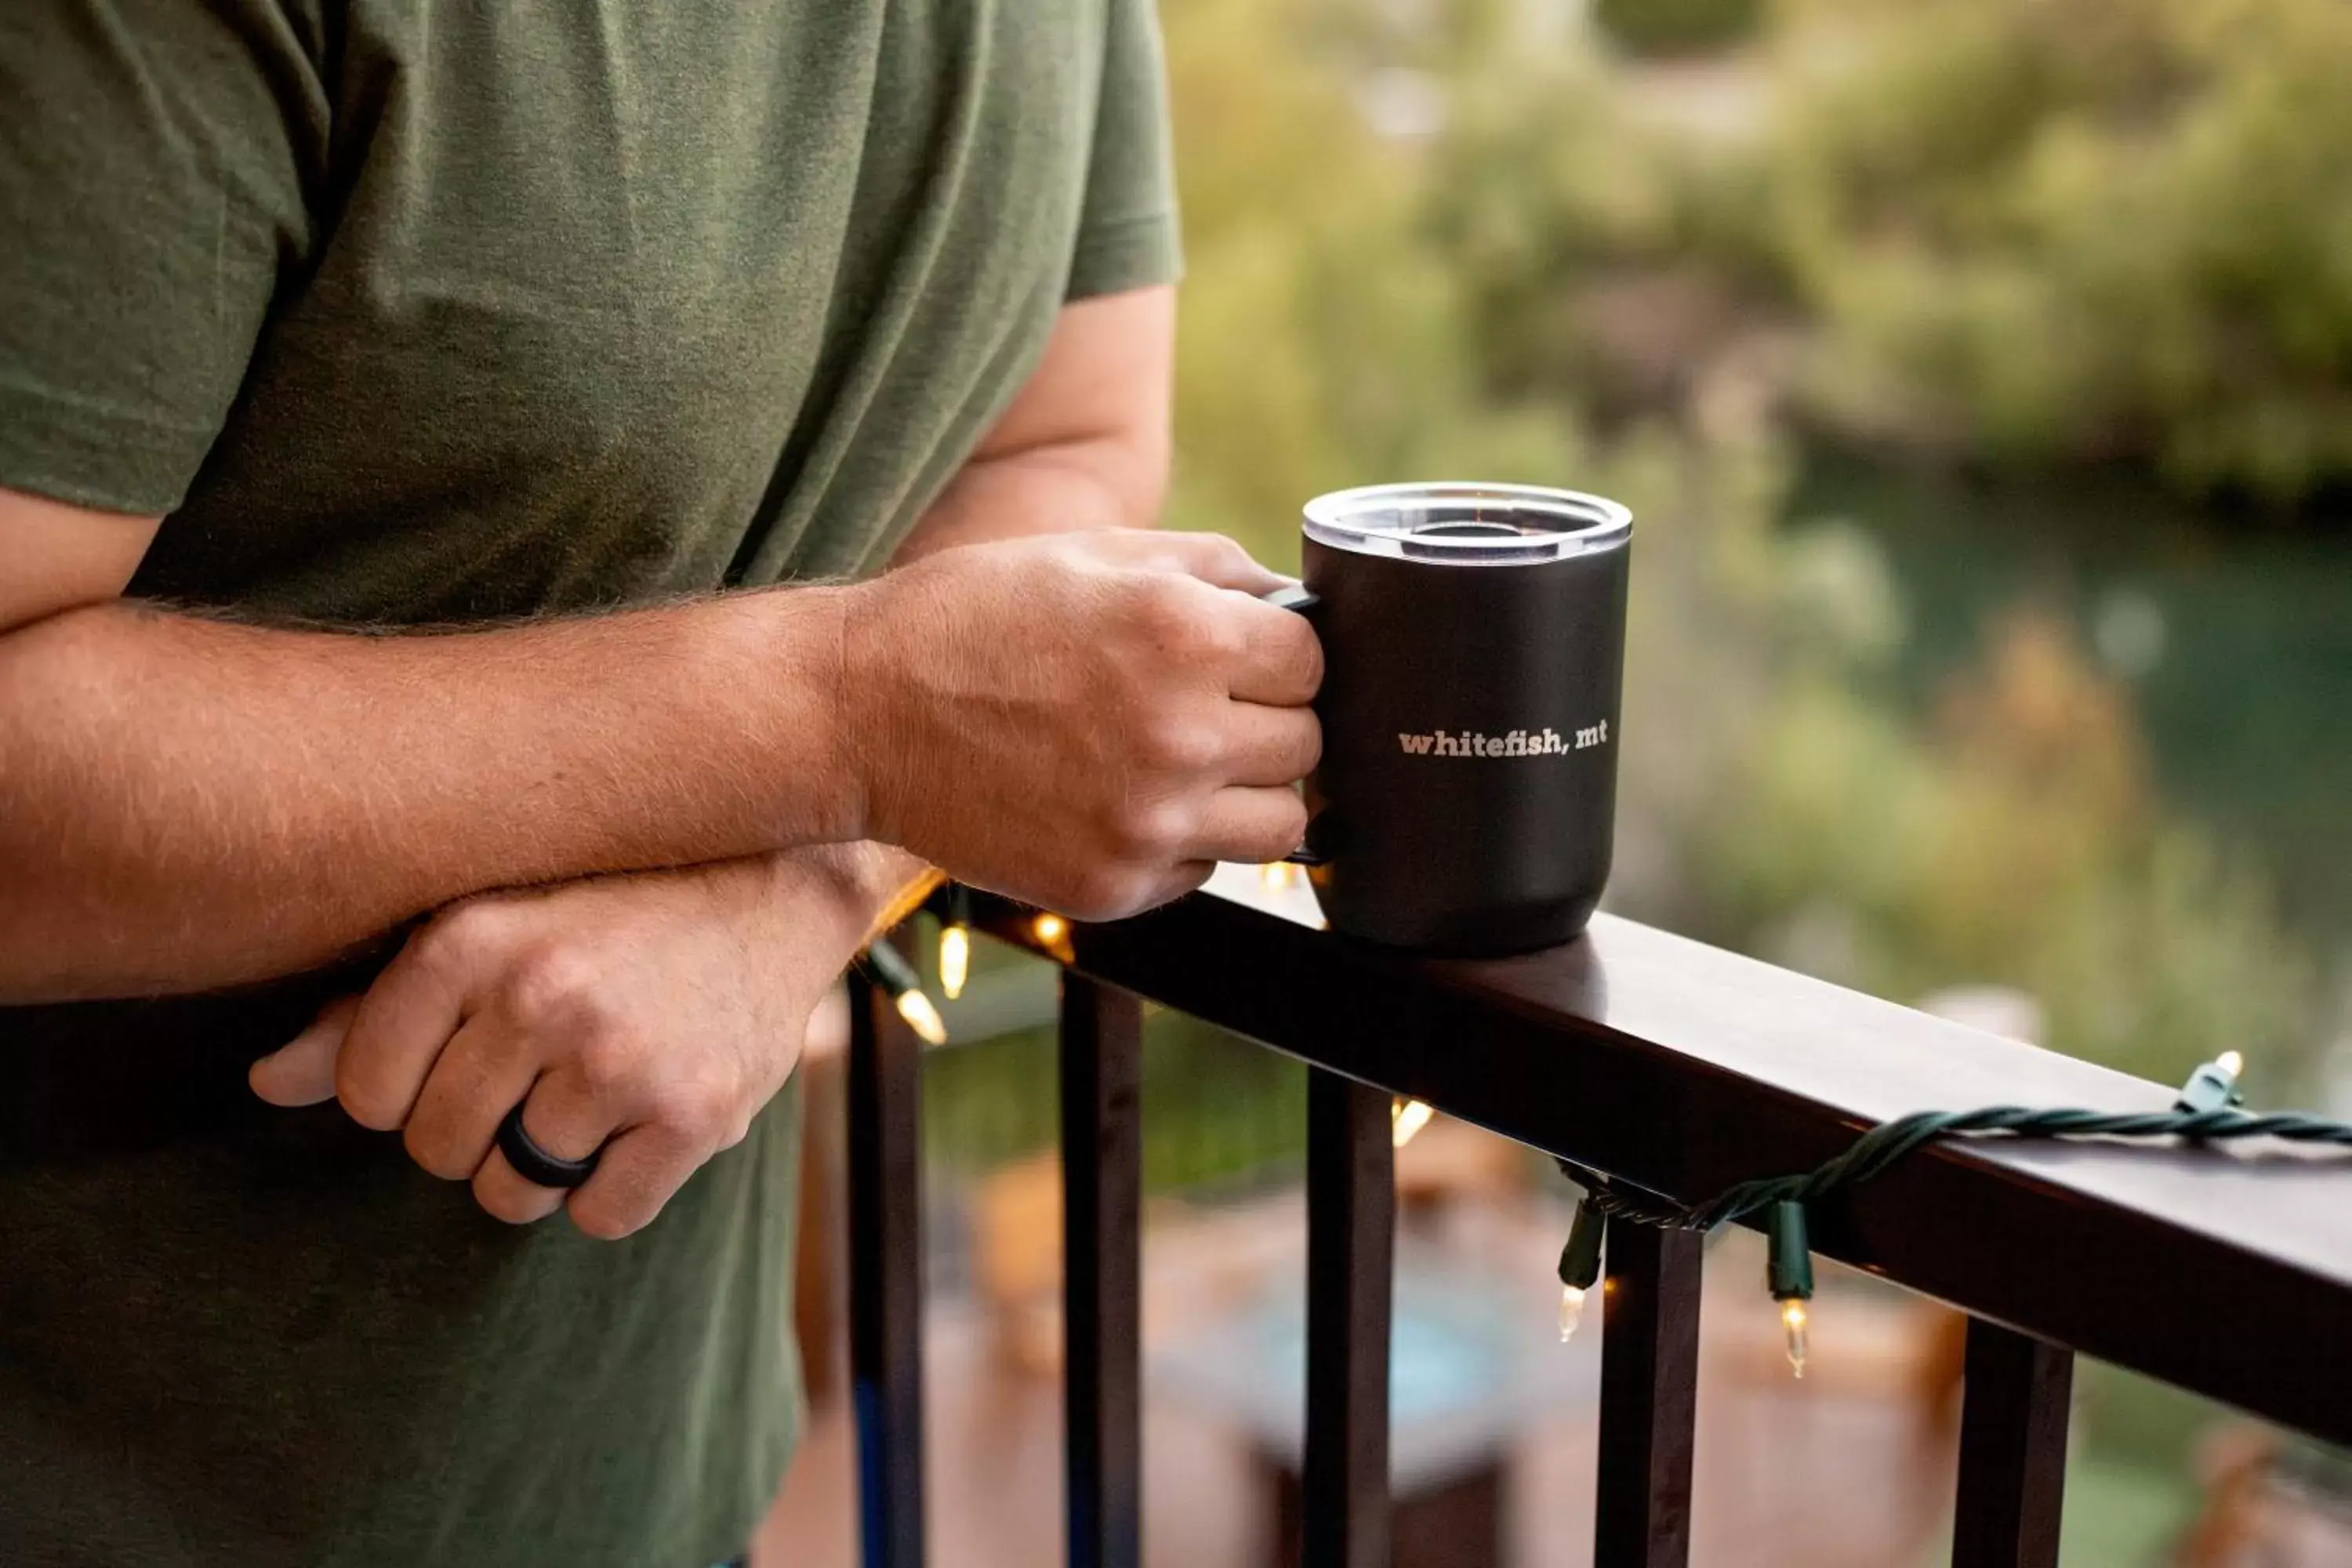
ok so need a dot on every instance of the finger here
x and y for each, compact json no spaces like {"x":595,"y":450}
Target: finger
{"x":639,"y":1172}
{"x":1251,"y":825}
{"x":1270,"y":746}
{"x":485,"y":1071}
{"x":504,"y":1195}
{"x":1281,"y":661}
{"x":302,"y":1070}
{"x":564,"y":1118}
{"x":1213,"y":558}
{"x":407,"y":1016}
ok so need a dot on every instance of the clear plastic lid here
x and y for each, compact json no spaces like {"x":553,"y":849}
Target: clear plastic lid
{"x":1467,"y":524}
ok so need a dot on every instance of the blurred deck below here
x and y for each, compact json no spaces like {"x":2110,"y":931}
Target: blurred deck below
{"x":1851,"y":1468}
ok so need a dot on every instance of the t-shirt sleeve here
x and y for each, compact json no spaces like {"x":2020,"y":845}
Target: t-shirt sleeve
{"x":1127,"y":236}
{"x":148,"y":194}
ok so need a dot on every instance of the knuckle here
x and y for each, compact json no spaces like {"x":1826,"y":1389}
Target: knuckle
{"x":1217,"y":637}
{"x":610,"y":1063}
{"x":554,"y":985}
{"x":1177,"y":613}
{"x":1229,"y":553}
{"x":1306,"y":659}
{"x":1177,"y":744}
{"x":364,"y":1100}
{"x":701,"y":1105}
{"x":434,"y":1152}
{"x":1129,"y":838}
{"x":1310,"y":748}
{"x":452,"y":937}
{"x":1153,"y":833}
{"x":366,"y":1085}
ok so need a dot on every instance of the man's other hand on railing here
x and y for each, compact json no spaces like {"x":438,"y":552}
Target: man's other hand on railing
{"x":617,"y":1010}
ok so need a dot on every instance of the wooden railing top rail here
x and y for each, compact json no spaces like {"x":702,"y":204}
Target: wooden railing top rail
{"x":1684,"y":1068}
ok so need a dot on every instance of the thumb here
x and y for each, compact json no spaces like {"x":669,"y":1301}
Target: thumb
{"x":302,"y":1070}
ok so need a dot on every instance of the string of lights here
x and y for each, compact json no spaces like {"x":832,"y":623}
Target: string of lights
{"x":2206,"y":1111}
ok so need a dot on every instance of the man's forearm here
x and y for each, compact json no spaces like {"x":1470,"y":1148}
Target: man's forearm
{"x":1048,"y":489}
{"x":186,"y":803}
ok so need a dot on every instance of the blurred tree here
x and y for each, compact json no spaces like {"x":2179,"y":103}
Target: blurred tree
{"x":1674,"y":26}
{"x":2025,"y":231}
{"x":1323,"y":342}
{"x":2081,"y":229}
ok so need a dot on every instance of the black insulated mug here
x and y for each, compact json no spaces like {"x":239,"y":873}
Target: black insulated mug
{"x":1474,"y":642}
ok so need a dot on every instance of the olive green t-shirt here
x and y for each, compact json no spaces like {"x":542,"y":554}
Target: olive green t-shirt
{"x":424,"y":310}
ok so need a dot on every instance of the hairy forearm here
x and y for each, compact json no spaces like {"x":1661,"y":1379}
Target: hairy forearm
{"x":186,"y":803}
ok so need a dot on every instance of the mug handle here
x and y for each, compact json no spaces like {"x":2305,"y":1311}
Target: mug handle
{"x":1295,"y":597}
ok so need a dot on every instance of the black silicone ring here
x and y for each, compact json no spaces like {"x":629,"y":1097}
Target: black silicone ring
{"x":535,"y":1164}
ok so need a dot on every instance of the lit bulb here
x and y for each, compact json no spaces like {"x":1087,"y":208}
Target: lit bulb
{"x":1571,"y":1312}
{"x":955,"y":959}
{"x":1275,"y":876}
{"x":2231,"y":1062}
{"x":1052,"y":932}
{"x":1406,"y":1118}
{"x":922,"y":1017}
{"x":1792,"y":1321}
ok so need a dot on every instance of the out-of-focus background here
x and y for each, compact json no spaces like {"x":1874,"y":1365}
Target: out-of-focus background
{"x":1979,"y":372}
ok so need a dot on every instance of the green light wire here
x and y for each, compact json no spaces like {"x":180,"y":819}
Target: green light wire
{"x":1889,"y":1141}
{"x":2205,"y":1112}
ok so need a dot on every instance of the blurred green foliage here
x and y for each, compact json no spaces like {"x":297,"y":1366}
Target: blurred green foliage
{"x":1321,"y":338}
{"x":2012,"y":230}
{"x":2083,"y":227}
{"x":1669,"y":26}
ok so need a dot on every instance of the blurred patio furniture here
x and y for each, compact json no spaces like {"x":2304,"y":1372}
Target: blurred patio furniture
{"x":1472,"y":1373}
{"x":1016,"y":1235}
{"x":2270,"y":1504}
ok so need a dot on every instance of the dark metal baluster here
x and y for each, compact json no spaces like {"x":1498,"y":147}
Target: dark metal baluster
{"x":1350,"y":1246}
{"x":1102,"y":1195}
{"x":886,"y":1286}
{"x":2012,"y":1450}
{"x":1649,"y":1396}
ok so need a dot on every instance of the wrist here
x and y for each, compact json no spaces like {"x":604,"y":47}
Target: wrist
{"x":868,"y":689}
{"x":866,"y":887}
{"x":777,"y":658}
